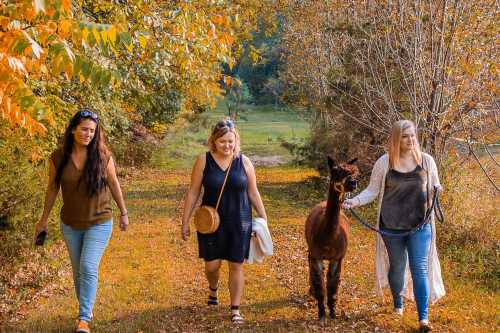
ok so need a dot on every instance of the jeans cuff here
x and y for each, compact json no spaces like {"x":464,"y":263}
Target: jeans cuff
{"x":398,"y":302}
{"x":86,"y":318}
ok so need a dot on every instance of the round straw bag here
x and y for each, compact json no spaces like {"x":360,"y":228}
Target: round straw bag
{"x":206,"y":218}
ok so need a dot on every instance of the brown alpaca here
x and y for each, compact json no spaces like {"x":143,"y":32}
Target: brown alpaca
{"x":327,"y":231}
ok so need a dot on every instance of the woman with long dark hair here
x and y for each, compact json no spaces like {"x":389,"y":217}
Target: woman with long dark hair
{"x":85,"y":171}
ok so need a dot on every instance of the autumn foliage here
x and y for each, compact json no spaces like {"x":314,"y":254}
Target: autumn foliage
{"x":38,"y":40}
{"x":361,"y":65}
{"x":93,"y":42}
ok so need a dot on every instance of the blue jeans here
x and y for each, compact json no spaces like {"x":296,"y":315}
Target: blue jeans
{"x":415,"y":248}
{"x":86,"y":248}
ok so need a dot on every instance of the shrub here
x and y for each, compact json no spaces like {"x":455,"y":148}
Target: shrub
{"x":21,"y":190}
{"x":342,"y":142}
{"x":470,"y":236}
{"x":23,"y":178}
{"x":135,"y":147}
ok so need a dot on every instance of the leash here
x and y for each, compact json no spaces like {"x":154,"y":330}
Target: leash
{"x":435,"y":206}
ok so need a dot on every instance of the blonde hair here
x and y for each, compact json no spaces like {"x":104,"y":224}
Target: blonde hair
{"x":220,"y":129}
{"x":394,"y":142}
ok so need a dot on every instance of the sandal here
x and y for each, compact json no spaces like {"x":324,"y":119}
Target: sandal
{"x":236,"y":317}
{"x":213,"y":300}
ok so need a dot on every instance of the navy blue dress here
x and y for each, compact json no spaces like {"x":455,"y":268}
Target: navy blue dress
{"x":231,"y":241}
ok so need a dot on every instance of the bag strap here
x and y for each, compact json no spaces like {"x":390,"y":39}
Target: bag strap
{"x":224,"y":184}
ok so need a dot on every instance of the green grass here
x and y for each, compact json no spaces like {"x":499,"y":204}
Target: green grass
{"x":261,"y":128}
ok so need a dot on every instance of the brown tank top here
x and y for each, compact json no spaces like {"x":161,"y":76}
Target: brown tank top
{"x":80,"y":210}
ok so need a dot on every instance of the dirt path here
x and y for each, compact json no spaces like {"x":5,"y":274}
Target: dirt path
{"x":151,"y":281}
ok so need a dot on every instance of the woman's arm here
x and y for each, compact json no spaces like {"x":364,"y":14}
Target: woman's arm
{"x":193,"y":194}
{"x":371,"y":192}
{"x":116,"y":192}
{"x":50,"y":198}
{"x":253,"y":191}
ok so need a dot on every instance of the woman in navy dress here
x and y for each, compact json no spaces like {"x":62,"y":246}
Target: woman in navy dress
{"x":231,"y":241}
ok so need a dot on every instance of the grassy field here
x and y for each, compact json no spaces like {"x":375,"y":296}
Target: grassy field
{"x":152,"y":281}
{"x":261,"y":130}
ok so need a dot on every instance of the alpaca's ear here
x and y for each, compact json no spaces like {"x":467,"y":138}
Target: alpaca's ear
{"x":352,"y":161}
{"x":331,"y":162}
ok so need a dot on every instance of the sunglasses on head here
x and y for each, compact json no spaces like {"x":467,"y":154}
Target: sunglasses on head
{"x":225,"y":123}
{"x":89,"y":114}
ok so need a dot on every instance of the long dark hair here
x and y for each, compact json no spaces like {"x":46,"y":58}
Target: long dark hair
{"x":94,"y":172}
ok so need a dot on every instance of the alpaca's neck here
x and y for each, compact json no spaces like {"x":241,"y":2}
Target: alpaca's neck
{"x":332,"y":210}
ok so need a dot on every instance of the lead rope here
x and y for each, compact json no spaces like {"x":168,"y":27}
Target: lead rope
{"x":436,"y":205}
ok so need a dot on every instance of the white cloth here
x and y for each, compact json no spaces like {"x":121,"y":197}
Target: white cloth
{"x":376,"y":189}
{"x":261,"y":244}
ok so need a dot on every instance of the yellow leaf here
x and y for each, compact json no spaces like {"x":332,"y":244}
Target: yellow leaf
{"x":129,"y":47}
{"x":85,"y":34}
{"x":112,"y":35}
{"x":142,"y":41}
{"x":96,"y":34}
{"x":68,"y":70}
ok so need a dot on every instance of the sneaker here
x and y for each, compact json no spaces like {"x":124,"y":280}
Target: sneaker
{"x":398,"y":311}
{"x":425,"y":326}
{"x":82,"y":327}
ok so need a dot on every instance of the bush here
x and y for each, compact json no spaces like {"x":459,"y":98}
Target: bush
{"x":23,"y":177}
{"x":470,"y":236}
{"x":342,"y":142}
{"x":133,"y":148}
{"x":21,"y":190}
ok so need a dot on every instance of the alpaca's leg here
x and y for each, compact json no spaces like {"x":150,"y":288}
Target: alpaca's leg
{"x":317,"y":285}
{"x":333,"y":281}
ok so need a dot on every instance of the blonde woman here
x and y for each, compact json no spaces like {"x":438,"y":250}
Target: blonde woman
{"x":231,"y":241}
{"x":402,"y":181}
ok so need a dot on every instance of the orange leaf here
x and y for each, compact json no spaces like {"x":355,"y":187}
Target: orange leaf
{"x":64,"y":28}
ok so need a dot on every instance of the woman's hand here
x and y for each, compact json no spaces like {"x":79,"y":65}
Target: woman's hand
{"x":185,"y":231}
{"x":123,"y":222}
{"x":40,"y":226}
{"x":350,"y":203}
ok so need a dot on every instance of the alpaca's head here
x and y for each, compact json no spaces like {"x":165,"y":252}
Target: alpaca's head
{"x":343,"y":176}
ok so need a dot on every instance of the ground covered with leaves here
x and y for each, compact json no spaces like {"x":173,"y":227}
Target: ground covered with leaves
{"x":152,"y":281}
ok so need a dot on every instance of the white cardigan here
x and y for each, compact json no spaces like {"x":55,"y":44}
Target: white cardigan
{"x":376,"y":189}
{"x":261,"y":243}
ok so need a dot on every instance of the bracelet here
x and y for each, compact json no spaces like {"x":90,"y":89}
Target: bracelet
{"x":126,"y":213}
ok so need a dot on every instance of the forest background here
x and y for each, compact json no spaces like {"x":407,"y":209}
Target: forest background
{"x":349,"y":68}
